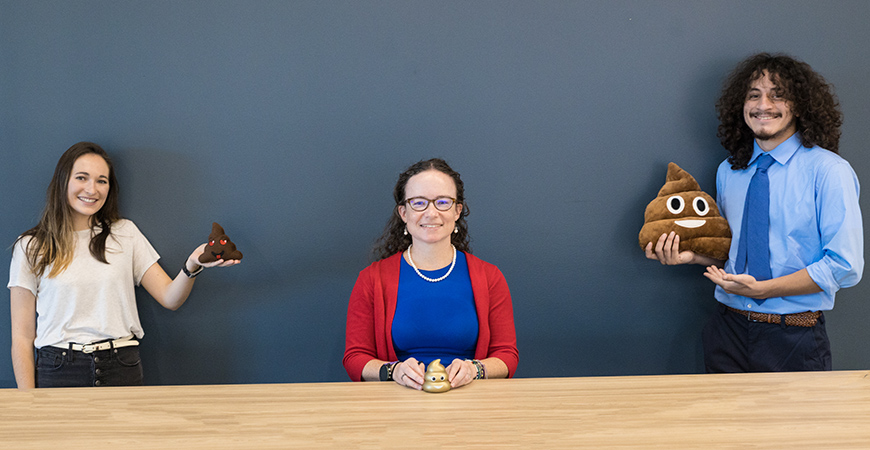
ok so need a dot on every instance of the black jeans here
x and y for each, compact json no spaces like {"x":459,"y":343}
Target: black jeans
{"x":733,"y":343}
{"x":57,"y":367}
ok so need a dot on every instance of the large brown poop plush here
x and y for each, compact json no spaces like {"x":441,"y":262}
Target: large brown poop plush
{"x":682,"y":207}
{"x":219,"y":246}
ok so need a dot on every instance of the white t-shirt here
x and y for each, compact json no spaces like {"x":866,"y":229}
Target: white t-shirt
{"x":90,"y":300}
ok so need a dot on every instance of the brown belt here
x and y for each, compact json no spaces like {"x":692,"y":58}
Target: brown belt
{"x":804,"y":319}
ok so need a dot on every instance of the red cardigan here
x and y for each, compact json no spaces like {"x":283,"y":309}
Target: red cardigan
{"x":372,"y":307}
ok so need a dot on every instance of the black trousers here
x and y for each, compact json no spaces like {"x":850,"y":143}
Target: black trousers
{"x":733,"y":343}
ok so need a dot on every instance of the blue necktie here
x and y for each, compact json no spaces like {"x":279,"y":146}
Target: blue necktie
{"x":753,"y":250}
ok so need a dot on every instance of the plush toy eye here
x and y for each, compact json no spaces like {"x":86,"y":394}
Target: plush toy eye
{"x":224,"y":241}
{"x":211,"y":243}
{"x":701,"y":206}
{"x":434,"y":377}
{"x":676,"y":204}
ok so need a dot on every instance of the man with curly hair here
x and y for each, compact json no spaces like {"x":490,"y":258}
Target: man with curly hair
{"x":776,"y":112}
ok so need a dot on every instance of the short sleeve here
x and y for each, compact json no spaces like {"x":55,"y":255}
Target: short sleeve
{"x":144,"y":255}
{"x":20,"y":273}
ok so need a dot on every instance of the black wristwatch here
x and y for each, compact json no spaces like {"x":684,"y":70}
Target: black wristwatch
{"x":386,"y":373}
{"x":189,"y":273}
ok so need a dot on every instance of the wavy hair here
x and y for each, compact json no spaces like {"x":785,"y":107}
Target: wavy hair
{"x":812,"y":100}
{"x":52,"y":242}
{"x":394,"y":240}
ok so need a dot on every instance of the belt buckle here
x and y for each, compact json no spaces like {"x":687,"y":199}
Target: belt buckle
{"x":97,"y":346}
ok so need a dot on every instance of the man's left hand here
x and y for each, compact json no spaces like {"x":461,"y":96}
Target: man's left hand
{"x":745,"y":285}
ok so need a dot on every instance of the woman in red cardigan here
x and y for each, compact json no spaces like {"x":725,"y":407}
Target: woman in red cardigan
{"x":427,"y":297}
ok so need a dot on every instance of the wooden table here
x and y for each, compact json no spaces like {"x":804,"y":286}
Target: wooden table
{"x":790,"y":410}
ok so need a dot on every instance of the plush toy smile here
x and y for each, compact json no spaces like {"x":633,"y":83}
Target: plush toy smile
{"x":690,"y":223}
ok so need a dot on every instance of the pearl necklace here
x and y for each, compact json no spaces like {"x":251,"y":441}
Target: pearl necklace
{"x":432,"y":280}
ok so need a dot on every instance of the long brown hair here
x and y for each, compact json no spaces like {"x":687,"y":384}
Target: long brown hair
{"x":813,"y":103}
{"x":394,"y":240}
{"x":52,"y":242}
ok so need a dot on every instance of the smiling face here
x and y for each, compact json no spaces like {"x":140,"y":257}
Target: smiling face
{"x":88,"y":188}
{"x":768,"y":114}
{"x":430,"y":226}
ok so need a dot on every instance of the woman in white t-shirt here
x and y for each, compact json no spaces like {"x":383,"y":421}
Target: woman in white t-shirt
{"x":72,"y":282}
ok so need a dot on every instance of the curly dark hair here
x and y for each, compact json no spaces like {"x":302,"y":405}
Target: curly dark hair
{"x":813,"y":104}
{"x":394,"y":240}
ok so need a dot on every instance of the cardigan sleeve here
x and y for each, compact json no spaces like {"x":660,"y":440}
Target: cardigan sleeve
{"x":503,"y":336}
{"x":360,"y":346}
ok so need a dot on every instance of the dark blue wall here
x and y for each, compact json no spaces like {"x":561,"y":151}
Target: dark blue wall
{"x":288,"y":122}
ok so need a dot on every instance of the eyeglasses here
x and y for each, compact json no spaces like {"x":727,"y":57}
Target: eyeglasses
{"x":421,"y":203}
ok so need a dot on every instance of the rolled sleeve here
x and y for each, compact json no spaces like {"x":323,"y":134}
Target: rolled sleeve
{"x":841,"y":228}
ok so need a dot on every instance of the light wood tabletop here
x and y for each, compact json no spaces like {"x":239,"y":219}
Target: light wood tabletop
{"x":785,"y":410}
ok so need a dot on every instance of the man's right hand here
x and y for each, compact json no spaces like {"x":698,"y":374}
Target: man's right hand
{"x":667,"y":251}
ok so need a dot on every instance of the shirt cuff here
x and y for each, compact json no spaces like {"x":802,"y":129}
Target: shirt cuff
{"x":822,"y":274}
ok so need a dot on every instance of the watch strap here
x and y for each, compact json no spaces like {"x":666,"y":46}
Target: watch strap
{"x":189,"y":273}
{"x":386,"y":372}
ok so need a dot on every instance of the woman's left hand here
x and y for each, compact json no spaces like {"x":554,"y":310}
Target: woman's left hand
{"x":461,"y":372}
{"x":193,"y":260}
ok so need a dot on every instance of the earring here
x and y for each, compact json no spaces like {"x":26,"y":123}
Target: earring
{"x":455,"y":230}
{"x":406,"y":230}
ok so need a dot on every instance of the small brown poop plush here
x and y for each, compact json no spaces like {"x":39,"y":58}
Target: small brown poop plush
{"x":692,"y":214}
{"x":219,"y":246}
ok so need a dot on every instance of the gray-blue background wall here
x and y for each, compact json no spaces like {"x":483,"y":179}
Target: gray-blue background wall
{"x":289,"y":121}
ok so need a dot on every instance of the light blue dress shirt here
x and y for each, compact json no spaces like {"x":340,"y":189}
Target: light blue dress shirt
{"x":815,"y":223}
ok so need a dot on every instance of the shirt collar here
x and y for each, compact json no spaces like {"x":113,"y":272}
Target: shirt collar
{"x":781,"y":153}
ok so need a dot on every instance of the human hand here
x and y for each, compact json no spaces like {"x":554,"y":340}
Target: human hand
{"x":667,"y":251}
{"x":461,"y":372}
{"x":738,"y":284}
{"x":193,"y":260}
{"x":409,"y":373}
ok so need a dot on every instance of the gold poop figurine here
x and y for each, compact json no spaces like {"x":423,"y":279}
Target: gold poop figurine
{"x":436,"y":378}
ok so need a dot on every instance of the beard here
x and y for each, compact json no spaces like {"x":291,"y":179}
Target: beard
{"x":766,"y":136}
